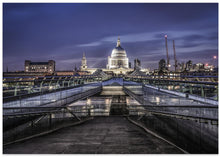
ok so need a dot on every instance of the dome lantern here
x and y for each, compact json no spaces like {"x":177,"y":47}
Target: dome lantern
{"x":118,"y":42}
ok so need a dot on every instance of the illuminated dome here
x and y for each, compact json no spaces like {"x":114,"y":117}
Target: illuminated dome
{"x":118,"y":58}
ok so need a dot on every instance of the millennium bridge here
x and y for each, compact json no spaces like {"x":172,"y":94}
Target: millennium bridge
{"x":110,"y":115}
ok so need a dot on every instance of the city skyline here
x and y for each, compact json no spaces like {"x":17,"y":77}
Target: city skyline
{"x":62,"y":32}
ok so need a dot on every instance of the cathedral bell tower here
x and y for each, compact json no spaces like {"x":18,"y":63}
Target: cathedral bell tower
{"x":84,"y":63}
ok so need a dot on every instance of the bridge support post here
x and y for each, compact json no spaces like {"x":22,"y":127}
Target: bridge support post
{"x":73,"y":82}
{"x":63,"y":82}
{"x":181,"y":88}
{"x":202,"y":91}
{"x":16,"y":87}
{"x":57,"y":83}
{"x":41,"y":84}
{"x":51,"y":81}
{"x":15,"y":92}
{"x":190,"y":90}
{"x":82,"y":81}
{"x":69,"y":81}
{"x":29,"y":90}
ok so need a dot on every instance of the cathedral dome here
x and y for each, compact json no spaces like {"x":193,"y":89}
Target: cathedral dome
{"x":118,"y":51}
{"x":118,"y":58}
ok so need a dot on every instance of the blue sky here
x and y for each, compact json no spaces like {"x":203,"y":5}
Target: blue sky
{"x":63,"y":31}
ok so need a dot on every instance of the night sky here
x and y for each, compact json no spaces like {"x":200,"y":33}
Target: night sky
{"x":62,"y":32}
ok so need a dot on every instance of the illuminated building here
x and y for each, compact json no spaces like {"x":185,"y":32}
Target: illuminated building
{"x":47,"y":67}
{"x":118,"y":58}
{"x":84,"y":63}
{"x":118,"y":63}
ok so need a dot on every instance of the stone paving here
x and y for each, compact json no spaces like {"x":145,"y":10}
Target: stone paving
{"x":102,"y":135}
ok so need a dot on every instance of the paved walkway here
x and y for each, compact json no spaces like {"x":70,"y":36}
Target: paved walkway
{"x":102,"y":135}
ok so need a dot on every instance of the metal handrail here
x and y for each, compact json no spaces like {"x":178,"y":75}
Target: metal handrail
{"x":174,"y":106}
{"x":173,"y":114}
{"x":180,"y":81}
{"x":49,"y":112}
{"x":5,"y":99}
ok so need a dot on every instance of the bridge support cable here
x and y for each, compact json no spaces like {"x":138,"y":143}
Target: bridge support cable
{"x":74,"y":115}
{"x":33,"y":123}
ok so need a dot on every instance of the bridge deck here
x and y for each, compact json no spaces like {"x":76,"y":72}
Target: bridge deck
{"x":109,"y":135}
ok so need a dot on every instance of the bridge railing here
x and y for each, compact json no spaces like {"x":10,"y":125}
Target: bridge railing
{"x":192,"y":128}
{"x":203,"y":86}
{"x":23,"y":122}
{"x":171,"y":108}
{"x":60,"y":98}
{"x":90,"y":109}
{"x":180,"y":77}
{"x":190,"y":112}
{"x":15,"y":87}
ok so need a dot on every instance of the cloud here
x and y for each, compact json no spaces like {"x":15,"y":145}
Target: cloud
{"x":149,"y":36}
{"x":90,"y":44}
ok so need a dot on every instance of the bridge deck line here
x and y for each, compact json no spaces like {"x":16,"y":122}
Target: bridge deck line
{"x":109,"y":135}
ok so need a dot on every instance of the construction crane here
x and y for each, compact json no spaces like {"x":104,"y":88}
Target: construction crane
{"x":174,"y":51}
{"x":168,"y":61}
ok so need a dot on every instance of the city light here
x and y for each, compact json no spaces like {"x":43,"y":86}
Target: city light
{"x":214,"y":57}
{"x":206,"y":64}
